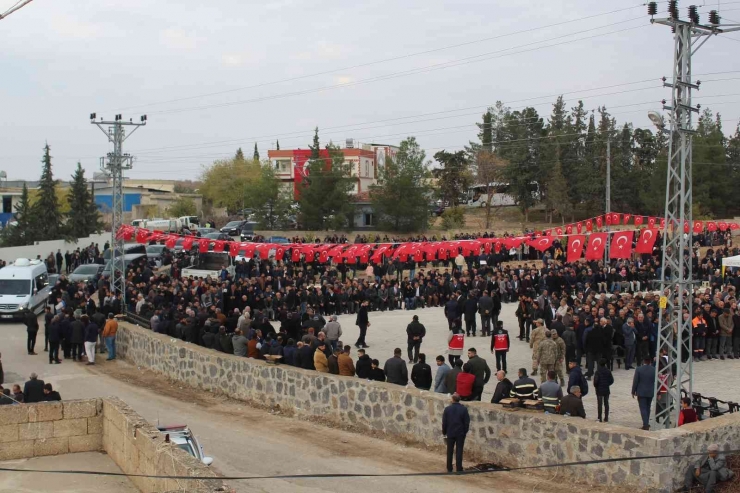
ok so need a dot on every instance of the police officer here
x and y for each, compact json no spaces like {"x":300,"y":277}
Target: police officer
{"x":500,"y":345}
{"x":547,"y":355}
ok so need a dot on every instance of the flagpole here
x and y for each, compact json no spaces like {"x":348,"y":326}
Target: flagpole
{"x":608,"y":194}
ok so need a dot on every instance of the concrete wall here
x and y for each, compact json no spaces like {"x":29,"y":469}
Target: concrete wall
{"x":513,"y":438}
{"x":137,"y":447}
{"x":50,"y":428}
{"x":43,"y":248}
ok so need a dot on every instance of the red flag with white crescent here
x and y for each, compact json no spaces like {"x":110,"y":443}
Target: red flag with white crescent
{"x":627,"y":218}
{"x":608,"y":219}
{"x":662,"y":223}
{"x":638,"y":220}
{"x":646,"y":241}
{"x":169,"y":241}
{"x":559,"y":231}
{"x":651,"y":222}
{"x":579,"y":227}
{"x":203,"y":246}
{"x":734,"y":225}
{"x":324,"y":256}
{"x":686,"y":226}
{"x":142,"y":235}
{"x":575,"y":247}
{"x":698,"y":226}
{"x":723,"y":226}
{"x":542,"y":243}
{"x":497,"y":246}
{"x":621,"y":244}
{"x":279,"y":253}
{"x":569,"y":229}
{"x":596,"y":246}
{"x":589,"y":225}
{"x":187,"y":243}
{"x":234,"y":249}
{"x":616,"y":217}
{"x":218,"y":246}
{"x":599,"y":222}
{"x":512,"y":242}
{"x":711,"y":226}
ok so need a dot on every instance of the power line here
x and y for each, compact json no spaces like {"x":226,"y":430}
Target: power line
{"x":386,"y":60}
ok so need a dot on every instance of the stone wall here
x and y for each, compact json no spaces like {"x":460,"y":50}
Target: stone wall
{"x":50,"y":428}
{"x":109,"y":425}
{"x":514,"y":438}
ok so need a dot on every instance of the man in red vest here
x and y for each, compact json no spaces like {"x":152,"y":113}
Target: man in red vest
{"x":500,"y":345}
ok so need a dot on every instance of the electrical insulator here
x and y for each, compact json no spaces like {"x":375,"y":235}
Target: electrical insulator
{"x":693,"y":14}
{"x":673,"y":29}
{"x":713,"y":17}
{"x":652,"y":8}
{"x":673,"y":9}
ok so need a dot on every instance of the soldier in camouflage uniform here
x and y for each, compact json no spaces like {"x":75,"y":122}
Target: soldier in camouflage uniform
{"x":561,"y":357}
{"x":547,"y":355}
{"x":537,"y":335}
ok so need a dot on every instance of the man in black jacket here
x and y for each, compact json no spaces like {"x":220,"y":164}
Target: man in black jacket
{"x":32,"y":328}
{"x":482,"y":372}
{"x":33,"y":390}
{"x":415,"y":332}
{"x":363,"y":365}
{"x":471,"y":311}
{"x":421,"y":373}
{"x":395,"y":369}
{"x":455,"y":426}
{"x":503,"y":388}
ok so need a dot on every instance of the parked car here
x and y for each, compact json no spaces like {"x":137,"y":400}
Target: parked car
{"x":246,"y":231}
{"x":87,"y":273}
{"x":233,"y":228}
{"x":184,"y":439}
{"x":128,"y":249}
{"x":155,"y":254}
{"x":204,"y":231}
{"x":277,"y":239}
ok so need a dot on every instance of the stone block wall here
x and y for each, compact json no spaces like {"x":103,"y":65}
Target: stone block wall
{"x":139,"y":448}
{"x":514,"y":438}
{"x":50,"y":428}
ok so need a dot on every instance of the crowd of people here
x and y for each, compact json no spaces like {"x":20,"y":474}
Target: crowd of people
{"x":34,"y":390}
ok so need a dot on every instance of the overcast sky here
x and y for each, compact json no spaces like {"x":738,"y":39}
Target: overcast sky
{"x":60,"y":61}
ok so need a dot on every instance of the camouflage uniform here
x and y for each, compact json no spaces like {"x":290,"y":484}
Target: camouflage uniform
{"x":547,"y":356}
{"x":561,"y":357}
{"x":537,"y":336}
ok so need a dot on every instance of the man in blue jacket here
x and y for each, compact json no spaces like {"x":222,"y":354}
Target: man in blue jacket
{"x":455,"y":426}
{"x":643,"y":387}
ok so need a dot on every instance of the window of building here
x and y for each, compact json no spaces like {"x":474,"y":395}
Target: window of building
{"x":7,"y":204}
{"x":367,"y":168}
{"x":369,"y":219}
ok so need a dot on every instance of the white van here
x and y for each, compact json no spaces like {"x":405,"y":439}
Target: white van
{"x":23,"y":284}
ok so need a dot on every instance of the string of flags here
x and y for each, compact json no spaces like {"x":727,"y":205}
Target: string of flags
{"x":584,"y":239}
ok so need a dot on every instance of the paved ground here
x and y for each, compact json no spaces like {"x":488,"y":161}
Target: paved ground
{"x":65,"y":483}
{"x":245,"y":441}
{"x":388,"y":331}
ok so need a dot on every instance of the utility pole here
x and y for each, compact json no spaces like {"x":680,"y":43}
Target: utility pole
{"x":113,"y":164}
{"x":675,"y":369}
{"x":608,"y":190}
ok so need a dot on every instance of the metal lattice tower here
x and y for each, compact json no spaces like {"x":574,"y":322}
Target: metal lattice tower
{"x":114,"y":165}
{"x":674,"y":333}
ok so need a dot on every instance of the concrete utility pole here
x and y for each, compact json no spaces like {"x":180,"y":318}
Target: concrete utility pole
{"x":113,"y":165}
{"x":608,"y":190}
{"x":15,"y":7}
{"x":675,"y":370}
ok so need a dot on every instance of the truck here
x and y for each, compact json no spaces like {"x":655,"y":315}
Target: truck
{"x":208,"y":265}
{"x":166,"y":225}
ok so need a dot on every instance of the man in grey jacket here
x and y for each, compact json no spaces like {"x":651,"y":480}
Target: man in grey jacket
{"x":333,"y":331}
{"x":485,"y":308}
{"x":440,"y":386}
{"x":240,"y":343}
{"x":395,"y":369}
{"x":630,"y":338}
{"x":710,"y":469}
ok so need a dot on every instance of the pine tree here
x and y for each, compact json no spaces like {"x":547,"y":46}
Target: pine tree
{"x":401,"y":196}
{"x":239,"y":154}
{"x":83,"y":218}
{"x":277,"y":145}
{"x":256,"y":153}
{"x":46,"y":216}
{"x":454,"y":177}
{"x":316,"y":147}
{"x":557,"y":191}
{"x":324,"y":196}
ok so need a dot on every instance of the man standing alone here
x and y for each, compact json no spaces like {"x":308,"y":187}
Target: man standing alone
{"x":455,"y":426}
{"x":643,"y":386}
{"x":32,"y":328}
{"x":416,"y":332}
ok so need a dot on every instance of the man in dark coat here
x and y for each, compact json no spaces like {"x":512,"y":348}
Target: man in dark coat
{"x":479,"y":368}
{"x":395,"y":369}
{"x":32,"y":328}
{"x":455,"y":426}
{"x":421,"y":373}
{"x":33,"y":390}
{"x":415,"y":332}
{"x":471,"y":310}
{"x":571,"y":404}
{"x":643,"y":387}
{"x":363,"y":365}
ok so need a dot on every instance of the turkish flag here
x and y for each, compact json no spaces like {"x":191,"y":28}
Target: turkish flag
{"x":734,"y":225}
{"x":575,"y":247}
{"x":686,"y":227}
{"x":364,"y":258}
{"x":599,"y":222}
{"x":279,"y":253}
{"x":616,"y":217}
{"x":512,"y":242}
{"x":542,"y":243}
{"x":324,"y":257}
{"x":442,"y":253}
{"x":723,"y":226}
{"x":497,"y":246}
{"x":569,"y":229}
{"x":651,"y":222}
{"x":698,"y":226}
{"x":711,"y":226}
{"x":170,"y":241}
{"x":203,"y":246}
{"x":559,"y":231}
{"x":579,"y":227}
{"x":295,"y":255}
{"x":548,"y":232}
{"x":141,"y":235}
{"x":627,"y":218}
{"x":418,"y":255}
{"x":234,"y":249}
{"x":621,"y":244}
{"x":608,"y":219}
{"x":646,"y":241}
{"x":187,"y":244}
{"x":218,"y":246}
{"x":596,"y":246}
{"x":662,"y":223}
{"x":589,"y":226}
{"x":638,"y":220}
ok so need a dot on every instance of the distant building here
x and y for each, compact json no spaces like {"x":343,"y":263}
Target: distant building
{"x":364,"y":161}
{"x":11,"y":197}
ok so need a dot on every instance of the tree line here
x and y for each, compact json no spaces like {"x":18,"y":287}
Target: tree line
{"x":41,"y":215}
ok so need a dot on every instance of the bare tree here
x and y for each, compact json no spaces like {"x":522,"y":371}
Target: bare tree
{"x":490,"y":173}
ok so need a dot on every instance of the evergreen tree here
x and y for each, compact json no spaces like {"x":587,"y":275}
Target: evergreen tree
{"x":46,"y":216}
{"x":454,"y":177}
{"x":277,"y":145}
{"x":713,"y":189}
{"x":400,"y":199}
{"x":324,"y":196}
{"x":270,"y":202}
{"x":557,"y":192}
{"x":316,"y":147}
{"x":83,"y":218}
{"x":239,"y":155}
{"x":256,"y":153}
{"x":485,"y":135}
